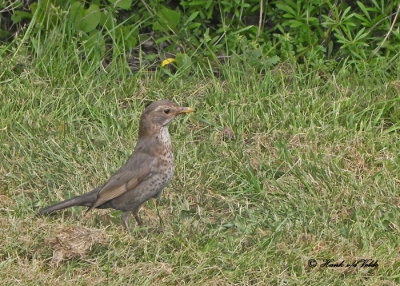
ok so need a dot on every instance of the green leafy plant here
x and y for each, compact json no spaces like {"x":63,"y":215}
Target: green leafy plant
{"x":107,"y":31}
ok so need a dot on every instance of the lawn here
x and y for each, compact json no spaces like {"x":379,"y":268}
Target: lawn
{"x":276,"y":168}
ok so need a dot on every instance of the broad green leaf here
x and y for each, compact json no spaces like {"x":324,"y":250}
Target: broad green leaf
{"x":18,"y":16}
{"x":183,"y":61}
{"x":91,"y":19}
{"x":167,"y":19}
{"x":85,"y":19}
{"x":107,"y":20}
{"x":76,"y":12}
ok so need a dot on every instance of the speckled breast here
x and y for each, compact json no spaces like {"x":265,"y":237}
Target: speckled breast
{"x":167,"y":166}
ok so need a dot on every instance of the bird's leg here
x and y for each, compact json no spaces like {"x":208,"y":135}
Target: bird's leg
{"x":158,"y":213}
{"x":136,"y":216}
{"x":124,"y":218}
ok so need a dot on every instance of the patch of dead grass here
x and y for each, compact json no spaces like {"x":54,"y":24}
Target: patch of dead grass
{"x":74,"y":241}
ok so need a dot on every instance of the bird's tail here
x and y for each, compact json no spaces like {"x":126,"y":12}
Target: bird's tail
{"x":84,"y":200}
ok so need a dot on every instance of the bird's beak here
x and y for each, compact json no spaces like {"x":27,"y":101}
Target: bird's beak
{"x":185,"y":110}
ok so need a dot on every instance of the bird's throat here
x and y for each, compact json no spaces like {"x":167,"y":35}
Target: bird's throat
{"x":164,"y":136}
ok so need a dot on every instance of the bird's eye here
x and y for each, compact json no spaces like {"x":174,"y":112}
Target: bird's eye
{"x":166,"y":111}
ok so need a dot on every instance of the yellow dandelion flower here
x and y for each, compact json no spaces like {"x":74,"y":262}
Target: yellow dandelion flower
{"x":167,"y":62}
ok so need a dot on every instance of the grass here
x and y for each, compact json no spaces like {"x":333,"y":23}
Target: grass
{"x":312,"y":171}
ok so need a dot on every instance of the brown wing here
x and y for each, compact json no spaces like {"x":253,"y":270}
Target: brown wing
{"x":135,"y":171}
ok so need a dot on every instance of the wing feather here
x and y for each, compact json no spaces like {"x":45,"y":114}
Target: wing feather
{"x":135,"y":171}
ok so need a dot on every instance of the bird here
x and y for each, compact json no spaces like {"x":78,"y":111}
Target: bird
{"x":145,"y":174}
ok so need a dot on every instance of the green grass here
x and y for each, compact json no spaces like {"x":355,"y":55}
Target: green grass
{"x":312,"y":172}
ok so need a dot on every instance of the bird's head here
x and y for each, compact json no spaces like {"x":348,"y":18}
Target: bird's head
{"x":159,"y":114}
